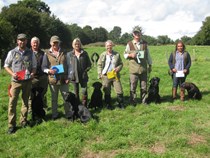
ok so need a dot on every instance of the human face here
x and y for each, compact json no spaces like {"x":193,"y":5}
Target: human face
{"x":137,"y":35}
{"x":22,"y":43}
{"x":77,"y":46}
{"x":55,"y":46}
{"x":34,"y":45}
{"x":180,"y":47}
{"x":109,"y":47}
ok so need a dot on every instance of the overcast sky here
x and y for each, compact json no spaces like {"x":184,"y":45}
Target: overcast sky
{"x":175,"y":18}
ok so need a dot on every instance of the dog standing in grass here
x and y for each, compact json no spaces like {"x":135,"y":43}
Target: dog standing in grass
{"x":97,"y":96}
{"x":77,"y":110}
{"x":192,"y":90}
{"x":153,"y":91}
{"x":37,"y":105}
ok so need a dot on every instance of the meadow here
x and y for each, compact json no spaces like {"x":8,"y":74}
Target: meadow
{"x":170,"y":129}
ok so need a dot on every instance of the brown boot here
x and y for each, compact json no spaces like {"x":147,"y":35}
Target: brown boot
{"x":174,"y":93}
{"x":182,"y":91}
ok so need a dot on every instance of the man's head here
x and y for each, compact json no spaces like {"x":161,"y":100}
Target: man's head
{"x":137,"y":31}
{"x":35,"y":43}
{"x":55,"y":42}
{"x":22,"y":40}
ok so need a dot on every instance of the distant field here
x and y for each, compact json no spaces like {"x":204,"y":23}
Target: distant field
{"x":178,"y":129}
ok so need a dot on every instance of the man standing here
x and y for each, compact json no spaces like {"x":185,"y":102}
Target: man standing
{"x":139,"y":58}
{"x":21,"y":65}
{"x":40,"y":79}
{"x":54,"y":59}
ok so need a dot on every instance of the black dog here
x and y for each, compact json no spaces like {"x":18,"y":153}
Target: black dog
{"x":153,"y":91}
{"x":37,"y":104}
{"x":192,"y":90}
{"x":77,"y":110}
{"x":97,"y":96}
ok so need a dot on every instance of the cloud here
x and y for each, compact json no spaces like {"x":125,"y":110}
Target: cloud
{"x":174,"y":18}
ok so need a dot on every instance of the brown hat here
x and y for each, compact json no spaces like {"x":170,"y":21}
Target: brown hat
{"x":54,"y":39}
{"x":21,"y":36}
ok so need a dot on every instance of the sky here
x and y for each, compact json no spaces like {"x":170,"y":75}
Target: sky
{"x":174,"y":18}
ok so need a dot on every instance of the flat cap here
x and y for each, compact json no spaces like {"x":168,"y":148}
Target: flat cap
{"x":54,"y":39}
{"x":21,"y":36}
{"x":137,"y":29}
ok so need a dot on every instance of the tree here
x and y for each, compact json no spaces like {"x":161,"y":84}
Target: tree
{"x":76,"y":32}
{"x":6,"y":38}
{"x":164,"y":39}
{"x":101,"y":34}
{"x":36,"y":5}
{"x":186,"y":40}
{"x":89,"y":34}
{"x":203,"y":36}
{"x":125,"y":38}
{"x":150,"y":40}
{"x":115,"y":34}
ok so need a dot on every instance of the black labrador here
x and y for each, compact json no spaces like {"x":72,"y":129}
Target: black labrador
{"x":37,"y":104}
{"x":192,"y":90}
{"x":153,"y":91}
{"x":97,"y":96}
{"x":77,"y":110}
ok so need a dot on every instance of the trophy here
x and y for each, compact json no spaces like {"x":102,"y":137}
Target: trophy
{"x":27,"y":72}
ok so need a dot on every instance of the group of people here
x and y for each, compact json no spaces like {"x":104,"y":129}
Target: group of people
{"x":75,"y":66}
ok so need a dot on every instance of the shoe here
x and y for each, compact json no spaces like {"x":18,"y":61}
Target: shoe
{"x":133,"y":103}
{"x":11,"y":130}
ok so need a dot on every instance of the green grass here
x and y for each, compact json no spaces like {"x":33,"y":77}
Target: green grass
{"x":178,"y":129}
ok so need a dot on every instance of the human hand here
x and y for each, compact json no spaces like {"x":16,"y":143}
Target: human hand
{"x":132,"y":55}
{"x":52,"y":71}
{"x":174,"y":70}
{"x":185,"y":71}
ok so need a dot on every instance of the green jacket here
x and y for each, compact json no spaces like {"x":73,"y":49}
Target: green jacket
{"x":117,"y":62}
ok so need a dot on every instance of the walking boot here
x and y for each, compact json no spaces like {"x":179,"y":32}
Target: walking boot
{"x":120,"y":101}
{"x":182,"y":91}
{"x":174,"y":93}
{"x":133,"y":98}
{"x":108,"y":102}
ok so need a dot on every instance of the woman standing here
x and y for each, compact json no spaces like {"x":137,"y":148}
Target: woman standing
{"x":81,"y":64}
{"x":179,"y":63}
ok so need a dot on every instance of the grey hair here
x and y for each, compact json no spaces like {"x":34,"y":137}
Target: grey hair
{"x":76,"y":40}
{"x":35,"y":39}
{"x":109,"y":41}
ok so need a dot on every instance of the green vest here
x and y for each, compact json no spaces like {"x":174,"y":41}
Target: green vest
{"x":134,"y":66}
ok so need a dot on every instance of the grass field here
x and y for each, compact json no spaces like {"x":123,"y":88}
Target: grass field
{"x":178,"y":129}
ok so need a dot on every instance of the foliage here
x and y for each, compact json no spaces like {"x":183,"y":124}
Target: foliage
{"x":203,"y":36}
{"x":115,"y":34}
{"x":169,"y":129}
{"x":101,"y":34}
{"x":37,"y":5}
{"x":6,"y":40}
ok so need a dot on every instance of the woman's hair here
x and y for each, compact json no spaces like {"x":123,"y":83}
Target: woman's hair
{"x":76,"y":40}
{"x":181,"y":43}
{"x":109,"y":41}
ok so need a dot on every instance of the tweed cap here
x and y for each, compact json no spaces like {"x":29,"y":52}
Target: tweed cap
{"x":54,"y":39}
{"x":137,"y":29}
{"x":21,"y":36}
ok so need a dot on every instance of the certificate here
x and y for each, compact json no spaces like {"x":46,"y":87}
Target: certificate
{"x":180,"y":74}
{"x":59,"y":68}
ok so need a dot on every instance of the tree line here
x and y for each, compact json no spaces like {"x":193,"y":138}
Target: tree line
{"x":34,"y":18}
